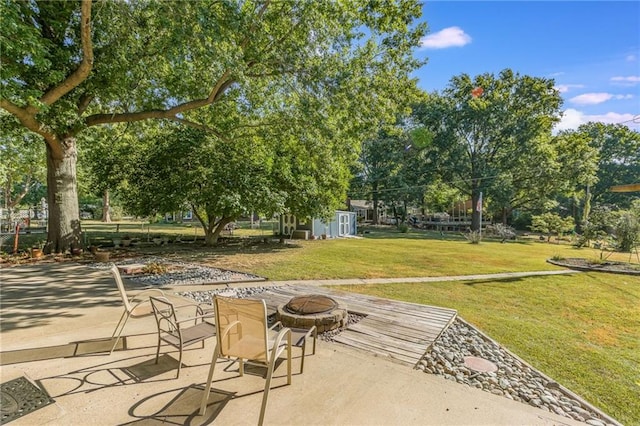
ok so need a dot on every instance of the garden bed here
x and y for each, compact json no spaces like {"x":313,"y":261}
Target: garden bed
{"x":582,"y":264}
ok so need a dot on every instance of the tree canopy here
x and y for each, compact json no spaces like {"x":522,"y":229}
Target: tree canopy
{"x":481,"y":135}
{"x":335,"y":68}
{"x":618,"y":149}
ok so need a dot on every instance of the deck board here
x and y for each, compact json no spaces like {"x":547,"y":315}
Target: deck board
{"x":400,"y":331}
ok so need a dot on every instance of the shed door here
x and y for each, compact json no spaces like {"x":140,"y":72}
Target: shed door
{"x":344,"y":227}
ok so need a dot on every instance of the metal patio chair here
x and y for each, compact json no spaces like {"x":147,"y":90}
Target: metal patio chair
{"x":181,"y":333}
{"x":242,"y":333}
{"x":137,"y":306}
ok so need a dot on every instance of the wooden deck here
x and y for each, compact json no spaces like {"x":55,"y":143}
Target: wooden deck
{"x":398,"y":330}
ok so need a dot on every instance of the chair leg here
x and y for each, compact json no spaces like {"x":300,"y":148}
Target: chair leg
{"x":205,"y":397}
{"x":179,"y":363}
{"x":158,"y":350}
{"x":289,"y":361}
{"x":267,"y":387}
{"x":315,"y":339}
{"x":125,"y":316}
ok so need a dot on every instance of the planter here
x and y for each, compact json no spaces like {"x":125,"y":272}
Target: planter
{"x":324,"y":236}
{"x":76,"y":252}
{"x":36,"y":253}
{"x":116,"y":242}
{"x":126,"y":242}
{"x":102,"y":256}
{"x":157,"y":241}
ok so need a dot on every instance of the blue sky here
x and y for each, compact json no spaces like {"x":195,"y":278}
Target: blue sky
{"x":590,"y":48}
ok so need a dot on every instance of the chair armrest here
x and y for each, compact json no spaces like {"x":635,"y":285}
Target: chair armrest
{"x":195,"y":318}
{"x":228,"y":328}
{"x":146,"y":292}
{"x":200,"y":311}
{"x":277,"y":342}
{"x":277,"y":324}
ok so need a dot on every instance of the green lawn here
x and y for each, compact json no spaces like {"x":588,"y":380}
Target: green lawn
{"x":582,"y":330}
{"x":396,"y":255}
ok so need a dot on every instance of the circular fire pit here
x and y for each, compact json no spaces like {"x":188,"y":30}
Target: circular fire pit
{"x":309,"y":310}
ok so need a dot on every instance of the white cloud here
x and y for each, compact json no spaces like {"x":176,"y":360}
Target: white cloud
{"x":573,"y":118}
{"x":631,"y":79}
{"x":597,"y":98}
{"x":631,"y":58}
{"x":591,"y":98}
{"x":564,"y":88}
{"x":448,"y":37}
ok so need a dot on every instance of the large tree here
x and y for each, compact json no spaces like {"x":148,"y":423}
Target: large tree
{"x":618,"y":149}
{"x":482,"y":126}
{"x":550,"y":167}
{"x":68,"y":66}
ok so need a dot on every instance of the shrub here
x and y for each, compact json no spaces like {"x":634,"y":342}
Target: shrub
{"x":403,"y":227}
{"x":551,"y":223}
{"x":154,"y":268}
{"x":628,"y":232}
{"x":474,"y":237}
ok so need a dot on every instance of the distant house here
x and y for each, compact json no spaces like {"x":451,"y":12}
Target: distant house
{"x":181,"y":216}
{"x":343,"y":224}
{"x":364,"y":210}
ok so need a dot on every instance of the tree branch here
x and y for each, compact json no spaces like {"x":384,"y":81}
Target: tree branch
{"x":22,"y":194}
{"x":29,"y":121}
{"x":218,"y":90}
{"x":83,"y":103}
{"x":83,"y":71}
{"x":200,"y":127}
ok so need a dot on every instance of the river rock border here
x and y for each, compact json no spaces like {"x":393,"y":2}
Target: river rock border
{"x":185,"y":273}
{"x":514,"y":379}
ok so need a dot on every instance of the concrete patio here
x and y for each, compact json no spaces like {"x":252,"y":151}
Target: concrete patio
{"x":56,"y":323}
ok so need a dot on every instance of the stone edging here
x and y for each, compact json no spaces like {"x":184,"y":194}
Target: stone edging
{"x":561,"y":388}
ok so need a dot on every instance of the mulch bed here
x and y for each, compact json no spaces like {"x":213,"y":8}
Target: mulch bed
{"x":582,"y":264}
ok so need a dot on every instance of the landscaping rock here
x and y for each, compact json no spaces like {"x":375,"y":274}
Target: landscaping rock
{"x":513,"y":380}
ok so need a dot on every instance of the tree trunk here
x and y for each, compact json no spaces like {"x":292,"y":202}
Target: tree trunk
{"x":106,"y":207}
{"x":475,"y":214}
{"x":374,"y":195}
{"x":212,"y":233}
{"x":62,"y":195}
{"x":587,"y":206}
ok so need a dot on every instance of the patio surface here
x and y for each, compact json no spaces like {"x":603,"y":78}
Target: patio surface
{"x":56,"y":323}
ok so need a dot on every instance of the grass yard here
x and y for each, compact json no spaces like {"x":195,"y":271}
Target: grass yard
{"x":582,"y":330}
{"x":396,"y":257}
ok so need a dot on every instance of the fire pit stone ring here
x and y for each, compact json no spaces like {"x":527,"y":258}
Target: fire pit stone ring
{"x":309,"y":310}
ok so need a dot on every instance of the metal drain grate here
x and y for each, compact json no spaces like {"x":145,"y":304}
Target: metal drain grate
{"x":21,"y":397}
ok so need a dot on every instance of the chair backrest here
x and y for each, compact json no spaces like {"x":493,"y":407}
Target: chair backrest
{"x":165,"y":316}
{"x":242,"y":328}
{"x":123,"y":293}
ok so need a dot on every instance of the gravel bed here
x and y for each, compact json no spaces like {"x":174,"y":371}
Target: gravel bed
{"x":180,"y":273}
{"x":513,"y":379}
